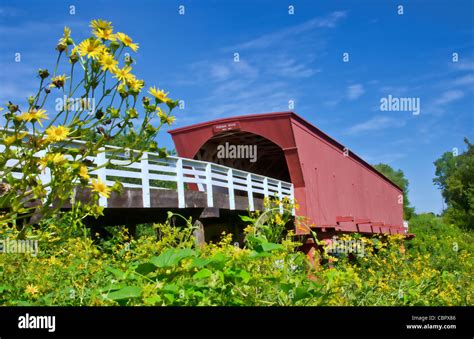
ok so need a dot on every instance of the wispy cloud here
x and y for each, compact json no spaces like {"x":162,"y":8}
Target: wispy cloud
{"x":269,"y":39}
{"x":464,"y":65}
{"x":355,"y":91}
{"x":267,"y":76}
{"x":464,"y":80}
{"x":374,"y":124}
{"x":449,"y":96}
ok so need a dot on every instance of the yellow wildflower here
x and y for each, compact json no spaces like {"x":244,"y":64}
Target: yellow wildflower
{"x":57,"y":133}
{"x":31,"y":289}
{"x":83,"y":172}
{"x":127,"y":41}
{"x":105,"y":34}
{"x":108,"y":62}
{"x":37,"y":115}
{"x":58,"y":81}
{"x":99,"y":187}
{"x":135,"y":85}
{"x":122,"y":90}
{"x":33,"y":116}
{"x":123,"y":74}
{"x":100,"y":24}
{"x":278,"y":219}
{"x":11,"y":139}
{"x":90,"y":47}
{"x":66,"y":36}
{"x":164,"y":118}
{"x":51,"y":158}
{"x":159,"y":95}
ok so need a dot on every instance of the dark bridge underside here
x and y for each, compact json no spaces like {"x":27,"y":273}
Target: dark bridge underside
{"x":127,"y":208}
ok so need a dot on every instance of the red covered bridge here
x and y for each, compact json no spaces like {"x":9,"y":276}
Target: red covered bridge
{"x":336,"y":189}
{"x":228,"y":166}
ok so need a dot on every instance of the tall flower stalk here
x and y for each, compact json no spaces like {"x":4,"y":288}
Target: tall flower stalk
{"x":99,"y":106}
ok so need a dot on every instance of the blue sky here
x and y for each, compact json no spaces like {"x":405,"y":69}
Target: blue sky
{"x":285,"y":57}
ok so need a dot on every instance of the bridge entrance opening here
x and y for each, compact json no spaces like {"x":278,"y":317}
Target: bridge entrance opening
{"x":246,"y":151}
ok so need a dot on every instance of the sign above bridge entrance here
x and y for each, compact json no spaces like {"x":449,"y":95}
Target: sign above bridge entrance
{"x":226,"y":127}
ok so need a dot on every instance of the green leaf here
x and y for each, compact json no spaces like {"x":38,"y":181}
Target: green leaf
{"x":127,"y":292}
{"x":155,"y":299}
{"x":145,"y":268}
{"x":171,"y":288}
{"x":255,"y":254}
{"x":269,"y":246}
{"x":301,"y":293}
{"x":171,"y":257}
{"x":204,"y":273}
{"x":5,"y":288}
{"x":112,"y":287}
{"x":244,"y":275}
{"x":219,"y":259}
{"x":246,"y":218}
{"x":170,"y":297}
{"x":200,"y":262}
{"x":118,"y":273}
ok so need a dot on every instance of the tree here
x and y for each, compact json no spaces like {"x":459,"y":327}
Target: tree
{"x":455,"y":178}
{"x":398,"y":177}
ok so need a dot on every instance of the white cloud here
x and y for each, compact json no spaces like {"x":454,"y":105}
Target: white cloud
{"x":355,"y":91}
{"x":467,"y":79}
{"x":266,"y":77}
{"x":449,"y":96}
{"x":266,"y":40}
{"x":291,"y":68}
{"x":374,"y":124}
{"x":464,"y":65}
{"x":219,"y":72}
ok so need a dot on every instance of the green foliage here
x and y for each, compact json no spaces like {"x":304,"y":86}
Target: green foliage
{"x":455,"y":178}
{"x":398,"y":177}
{"x":166,"y":268}
{"x":269,"y":225}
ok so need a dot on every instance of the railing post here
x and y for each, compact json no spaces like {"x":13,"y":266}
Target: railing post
{"x":250,"y":192}
{"x":280,"y":197}
{"x":292,"y":198}
{"x":210,"y":196}
{"x":102,"y":173}
{"x":180,"y":183}
{"x":265,"y":188}
{"x":230,"y":185}
{"x":145,"y":180}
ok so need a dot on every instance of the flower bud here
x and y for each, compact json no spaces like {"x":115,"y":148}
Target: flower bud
{"x":73,"y":58}
{"x":12,"y":108}
{"x":31,"y":100}
{"x":43,"y":73}
{"x":99,"y":114}
{"x":61,"y":47}
{"x":114,"y":45}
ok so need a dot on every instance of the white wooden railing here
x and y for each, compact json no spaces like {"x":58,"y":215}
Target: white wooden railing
{"x":151,"y":172}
